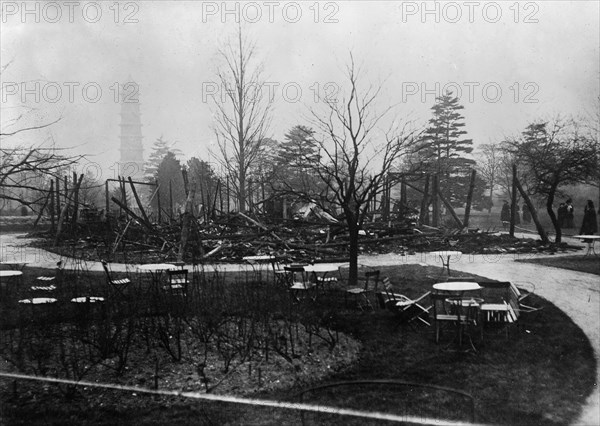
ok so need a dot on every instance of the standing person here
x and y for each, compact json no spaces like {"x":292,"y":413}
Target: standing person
{"x":589,"y":225}
{"x":569,"y":223}
{"x":517,"y":214}
{"x":562,"y":212}
{"x":526,"y":214}
{"x":505,"y":214}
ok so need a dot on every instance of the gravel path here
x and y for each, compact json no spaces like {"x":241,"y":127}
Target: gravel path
{"x":576,"y":293}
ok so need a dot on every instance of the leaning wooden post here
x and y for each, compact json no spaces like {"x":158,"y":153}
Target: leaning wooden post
{"x":513,"y":209}
{"x":107,"y":199}
{"x":75,"y":202}
{"x":137,"y":199}
{"x":434,"y":200}
{"x":63,"y":212}
{"x":469,"y":199}
{"x":227,"y":192}
{"x":57,"y":192}
{"x":450,"y":209}
{"x":66,"y":189}
{"x":424,"y":214}
{"x":214,"y":201}
{"x":52,"y":204}
{"x":170,"y":200}
{"x":158,"y":201}
{"x":388,"y":196}
{"x":403,"y":197}
{"x":48,"y":197}
{"x":220,"y":195}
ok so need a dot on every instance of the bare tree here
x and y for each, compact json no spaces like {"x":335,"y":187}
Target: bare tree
{"x":488,"y":166}
{"x":556,"y":153}
{"x":242,"y":114}
{"x":25,"y":171}
{"x":355,"y":157}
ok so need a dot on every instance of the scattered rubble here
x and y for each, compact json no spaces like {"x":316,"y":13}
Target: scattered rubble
{"x":310,"y":238}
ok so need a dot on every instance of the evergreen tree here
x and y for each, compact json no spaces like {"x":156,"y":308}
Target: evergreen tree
{"x":444,"y":151}
{"x":203,"y":175}
{"x":299,"y":148}
{"x":159,"y":150}
{"x":170,"y":181}
{"x":296,"y":158}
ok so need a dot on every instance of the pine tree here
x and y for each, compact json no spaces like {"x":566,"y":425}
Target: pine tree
{"x":159,"y":150}
{"x":443,"y":151}
{"x":299,"y":148}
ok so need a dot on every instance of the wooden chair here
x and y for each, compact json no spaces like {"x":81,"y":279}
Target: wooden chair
{"x":444,"y":313}
{"x":361,"y":294}
{"x":279,"y":272}
{"x":178,"y":282}
{"x":407,"y":310}
{"x":521,"y":295}
{"x":118,"y":284}
{"x":298,"y":282}
{"x":48,"y":283}
{"x":501,"y":304}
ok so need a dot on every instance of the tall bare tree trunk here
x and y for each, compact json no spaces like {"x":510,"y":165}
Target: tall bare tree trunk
{"x":513,"y":205}
{"x":186,"y":221}
{"x":534,"y":215}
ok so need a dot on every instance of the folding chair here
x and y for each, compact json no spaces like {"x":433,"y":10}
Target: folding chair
{"x":501,"y":304}
{"x":47,"y":283}
{"x":406,"y":310}
{"x":443,"y":313}
{"x":298,"y":282}
{"x":362,"y":293}
{"x":178,"y":281}
{"x":521,"y":295}
{"x":279,"y":272}
{"x":119,"y":284}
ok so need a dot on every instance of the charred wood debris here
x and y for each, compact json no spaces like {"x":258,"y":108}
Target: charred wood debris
{"x":228,"y":238}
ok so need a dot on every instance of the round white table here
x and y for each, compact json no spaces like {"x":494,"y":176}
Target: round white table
{"x":260,"y":261}
{"x":10,"y":274}
{"x":457,"y":286}
{"x":87,"y":299}
{"x":156,"y":270}
{"x":324,"y":267}
{"x":445,"y":256}
{"x":14,"y":265}
{"x":156,"y":267}
{"x":38,"y":301}
{"x":320,"y":271}
{"x":590,"y":240}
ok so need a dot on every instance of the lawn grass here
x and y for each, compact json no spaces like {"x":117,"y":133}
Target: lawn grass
{"x":541,"y":375}
{"x":581,"y":263}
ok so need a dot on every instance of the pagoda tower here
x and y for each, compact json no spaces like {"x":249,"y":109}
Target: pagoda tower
{"x":131,"y":162}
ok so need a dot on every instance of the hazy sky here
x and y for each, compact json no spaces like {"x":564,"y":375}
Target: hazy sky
{"x":513,"y":62}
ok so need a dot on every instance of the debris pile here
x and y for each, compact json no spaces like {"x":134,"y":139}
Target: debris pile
{"x":228,"y":238}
